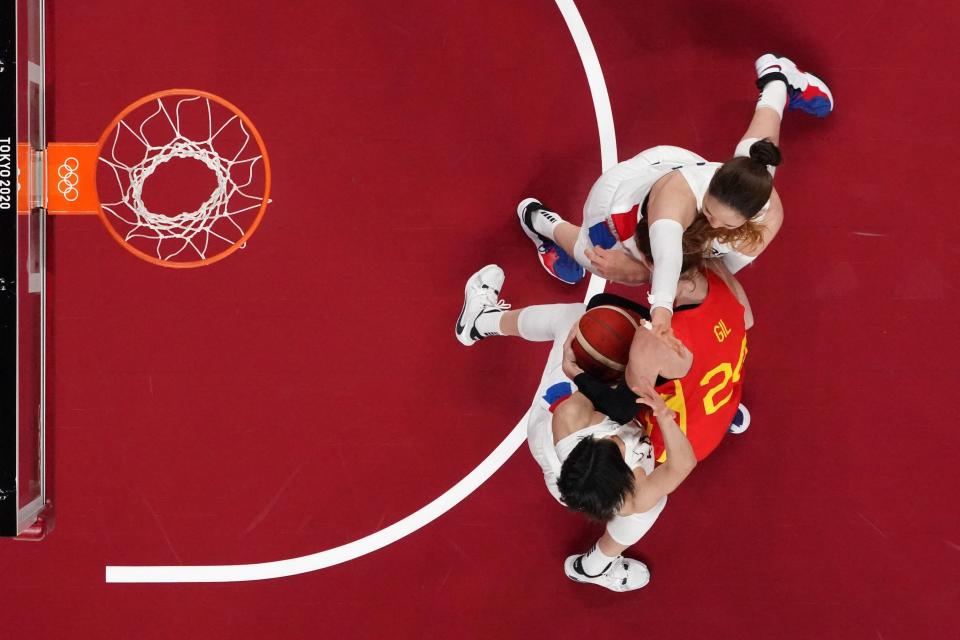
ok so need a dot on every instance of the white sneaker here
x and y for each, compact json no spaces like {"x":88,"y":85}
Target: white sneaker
{"x":741,"y":421}
{"x":805,"y":91}
{"x":480,"y":297}
{"x":623,"y":574}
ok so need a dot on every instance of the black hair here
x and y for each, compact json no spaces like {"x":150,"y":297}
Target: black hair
{"x":594,"y":479}
{"x":744,"y":184}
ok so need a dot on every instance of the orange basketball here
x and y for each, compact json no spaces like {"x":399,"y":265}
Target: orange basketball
{"x":602,"y":343}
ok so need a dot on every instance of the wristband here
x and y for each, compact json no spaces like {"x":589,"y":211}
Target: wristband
{"x":619,"y":403}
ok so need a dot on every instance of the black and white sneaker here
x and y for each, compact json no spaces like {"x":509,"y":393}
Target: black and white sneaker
{"x":555,"y":260}
{"x":479,"y":298}
{"x":741,"y":421}
{"x":623,"y":574}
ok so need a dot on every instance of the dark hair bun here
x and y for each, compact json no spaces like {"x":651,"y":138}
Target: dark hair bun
{"x":766,"y":152}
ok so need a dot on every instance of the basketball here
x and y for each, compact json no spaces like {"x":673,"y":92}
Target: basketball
{"x":602,"y":342}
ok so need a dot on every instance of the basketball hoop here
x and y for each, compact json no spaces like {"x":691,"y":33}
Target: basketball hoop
{"x":108,"y":178}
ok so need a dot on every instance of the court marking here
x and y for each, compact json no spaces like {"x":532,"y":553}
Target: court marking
{"x":480,"y":474}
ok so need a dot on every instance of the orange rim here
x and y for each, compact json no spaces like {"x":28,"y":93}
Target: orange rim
{"x":108,"y":131}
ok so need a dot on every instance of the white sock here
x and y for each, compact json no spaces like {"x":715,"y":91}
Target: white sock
{"x":544,"y":223}
{"x":595,"y":562}
{"x":488,"y":323}
{"x":773,"y":96}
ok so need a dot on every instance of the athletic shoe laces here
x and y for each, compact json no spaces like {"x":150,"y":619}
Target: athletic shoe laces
{"x":497,"y":305}
{"x":617,"y":577}
{"x":489,"y":297}
{"x":489,"y":302}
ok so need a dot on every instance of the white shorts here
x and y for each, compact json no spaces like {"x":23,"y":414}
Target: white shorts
{"x":554,"y":386}
{"x":623,"y":188}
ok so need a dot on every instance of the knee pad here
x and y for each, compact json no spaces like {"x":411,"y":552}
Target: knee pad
{"x":627,"y":530}
{"x":547,"y":322}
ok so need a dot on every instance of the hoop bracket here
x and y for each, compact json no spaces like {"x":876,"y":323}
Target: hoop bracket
{"x":71,"y":179}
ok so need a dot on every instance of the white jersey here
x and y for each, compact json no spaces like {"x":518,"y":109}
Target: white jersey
{"x":554,"y":388}
{"x":638,"y":452}
{"x":613,"y":207}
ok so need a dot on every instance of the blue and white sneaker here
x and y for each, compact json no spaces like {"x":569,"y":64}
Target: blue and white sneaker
{"x":555,"y":260}
{"x":741,"y":421}
{"x":805,"y":91}
{"x":479,"y":298}
{"x":623,"y":574}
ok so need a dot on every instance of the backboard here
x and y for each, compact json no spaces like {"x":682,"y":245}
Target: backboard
{"x":23,"y":487}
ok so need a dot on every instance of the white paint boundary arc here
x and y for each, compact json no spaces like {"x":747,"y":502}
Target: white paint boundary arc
{"x":459,"y":491}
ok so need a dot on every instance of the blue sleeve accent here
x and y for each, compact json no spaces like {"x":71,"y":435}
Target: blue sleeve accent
{"x":600,"y":236}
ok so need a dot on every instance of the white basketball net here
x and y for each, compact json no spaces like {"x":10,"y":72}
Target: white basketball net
{"x":185,"y":235}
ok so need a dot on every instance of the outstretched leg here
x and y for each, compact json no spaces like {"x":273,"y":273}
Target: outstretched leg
{"x":767,"y":118}
{"x":484,"y":315}
{"x":563,"y":247}
{"x":782,"y":85}
{"x":603,"y":564}
{"x":541,"y":322}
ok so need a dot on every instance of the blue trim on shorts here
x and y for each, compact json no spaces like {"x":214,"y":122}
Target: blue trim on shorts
{"x":600,"y":236}
{"x":557,"y":393}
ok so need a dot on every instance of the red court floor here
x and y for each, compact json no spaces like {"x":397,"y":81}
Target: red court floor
{"x":308,"y":390}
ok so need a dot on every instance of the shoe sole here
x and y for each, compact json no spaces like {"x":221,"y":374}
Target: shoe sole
{"x":467,"y":342}
{"x":521,"y":210}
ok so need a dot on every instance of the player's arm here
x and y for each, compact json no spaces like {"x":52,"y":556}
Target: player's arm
{"x":720,"y":268}
{"x":680,"y":457}
{"x":671,"y":212}
{"x":617,"y":265}
{"x":652,"y":355}
{"x":620,"y":404}
{"x":573,"y":414}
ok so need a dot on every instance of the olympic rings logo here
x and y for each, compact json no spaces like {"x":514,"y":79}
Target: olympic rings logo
{"x":67,"y":186}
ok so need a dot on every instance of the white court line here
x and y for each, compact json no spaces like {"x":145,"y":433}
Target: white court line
{"x":598,"y":88}
{"x":459,"y":491}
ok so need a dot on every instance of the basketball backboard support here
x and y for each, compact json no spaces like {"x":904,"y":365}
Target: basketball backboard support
{"x":23,"y":466}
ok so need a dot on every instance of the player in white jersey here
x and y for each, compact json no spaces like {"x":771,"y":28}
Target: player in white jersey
{"x":591,"y":463}
{"x":676,"y":202}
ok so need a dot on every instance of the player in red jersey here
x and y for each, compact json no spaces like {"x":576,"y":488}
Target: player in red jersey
{"x":708,"y":395}
{"x":570,"y":430}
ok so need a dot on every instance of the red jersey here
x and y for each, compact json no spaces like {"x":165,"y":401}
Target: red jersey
{"x":706,"y":399}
